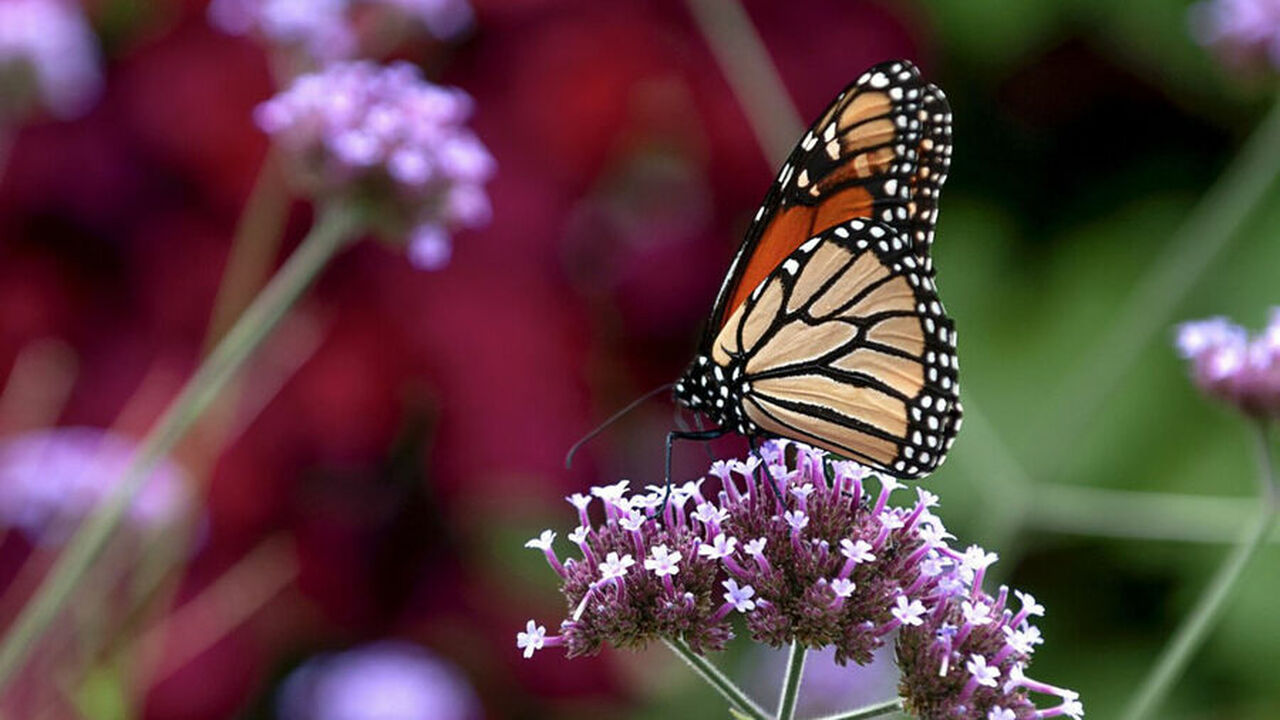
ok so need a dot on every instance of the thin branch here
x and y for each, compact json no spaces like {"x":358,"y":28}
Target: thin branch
{"x":718,"y":680}
{"x":746,"y":64}
{"x":1191,"y":634}
{"x":1203,"y":236}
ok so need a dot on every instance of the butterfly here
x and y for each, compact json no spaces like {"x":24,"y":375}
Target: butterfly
{"x":828,"y":328}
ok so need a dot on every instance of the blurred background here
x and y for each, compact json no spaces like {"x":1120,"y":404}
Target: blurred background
{"x":374,"y":475}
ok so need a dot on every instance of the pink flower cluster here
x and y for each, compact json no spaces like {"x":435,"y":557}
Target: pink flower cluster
{"x":51,"y":479}
{"x":1229,"y":365}
{"x":1243,"y":30}
{"x":389,"y":680}
{"x":826,"y":564}
{"x":48,"y":57}
{"x":386,"y":137}
{"x":325,"y":30}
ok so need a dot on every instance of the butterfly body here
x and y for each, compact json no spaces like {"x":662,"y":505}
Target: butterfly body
{"x":828,"y":328}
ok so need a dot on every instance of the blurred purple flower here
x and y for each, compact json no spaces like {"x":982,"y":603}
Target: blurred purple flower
{"x":48,"y":58}
{"x":443,"y":18}
{"x":827,"y":564}
{"x":384,"y":681}
{"x":1229,"y":365}
{"x":51,"y":479}
{"x":324,"y":30}
{"x":1243,"y":30}
{"x":317,"y":27}
{"x":386,"y":136}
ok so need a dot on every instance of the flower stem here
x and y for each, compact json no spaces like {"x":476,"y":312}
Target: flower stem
{"x":1139,"y":515}
{"x":751,"y":73}
{"x":333,"y":229}
{"x":253,"y":248}
{"x":718,"y":680}
{"x":791,"y":681}
{"x":1204,"y":615}
{"x":870,"y":711}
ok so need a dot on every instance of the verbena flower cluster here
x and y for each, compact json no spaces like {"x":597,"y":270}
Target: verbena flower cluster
{"x":48,"y":58}
{"x":385,"y":681}
{"x":51,"y":479}
{"x":1244,"y":31}
{"x":828,"y":564}
{"x":1230,"y":365}
{"x":387,"y":136}
{"x":327,"y":30}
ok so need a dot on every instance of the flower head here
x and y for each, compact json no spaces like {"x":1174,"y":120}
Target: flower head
{"x":829,"y":567}
{"x":327,"y":30}
{"x":1230,"y":365}
{"x":384,"y":681}
{"x":908,"y":611}
{"x":967,"y":659}
{"x":739,"y":597}
{"x":663,"y":561}
{"x":51,"y":479}
{"x":384,"y":136}
{"x":532,"y":639}
{"x":1244,"y":31}
{"x":48,"y":58}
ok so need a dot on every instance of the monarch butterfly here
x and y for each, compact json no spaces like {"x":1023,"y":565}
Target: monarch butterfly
{"x":828,"y":328}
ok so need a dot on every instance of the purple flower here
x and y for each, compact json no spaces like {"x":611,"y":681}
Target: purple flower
{"x":48,"y":58}
{"x":739,"y":597}
{"x":1231,"y":366}
{"x":385,"y":136}
{"x":663,"y":562}
{"x":1244,"y":31}
{"x":533,"y":639}
{"x":907,"y":611}
{"x":443,"y":18}
{"x":843,"y":573}
{"x":325,"y":30}
{"x":968,"y":658}
{"x":51,"y":479}
{"x":384,"y":681}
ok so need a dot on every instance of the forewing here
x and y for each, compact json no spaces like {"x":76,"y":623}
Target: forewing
{"x":862,"y":158}
{"x":846,"y":346}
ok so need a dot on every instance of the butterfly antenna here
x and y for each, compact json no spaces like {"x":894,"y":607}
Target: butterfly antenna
{"x":568,"y":457}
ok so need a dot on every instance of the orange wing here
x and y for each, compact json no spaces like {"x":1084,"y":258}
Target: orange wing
{"x":881,"y":150}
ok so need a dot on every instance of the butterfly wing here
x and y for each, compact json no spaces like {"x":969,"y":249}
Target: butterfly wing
{"x":881,"y":150}
{"x":846,"y":346}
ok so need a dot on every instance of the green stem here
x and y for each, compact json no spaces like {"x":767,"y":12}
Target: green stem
{"x":1202,"y":237}
{"x":1098,"y":512}
{"x":870,"y":711}
{"x":333,"y":229}
{"x":1191,"y":634}
{"x":791,"y":681}
{"x":718,"y":680}
{"x":253,"y":248}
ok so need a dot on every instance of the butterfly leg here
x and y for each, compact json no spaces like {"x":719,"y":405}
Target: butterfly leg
{"x":672,"y":437}
{"x":711,"y":455}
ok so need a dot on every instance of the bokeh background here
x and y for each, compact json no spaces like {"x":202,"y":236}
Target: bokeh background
{"x":377,"y":472}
